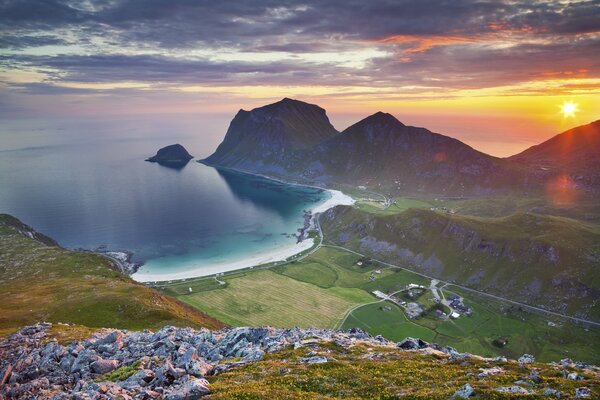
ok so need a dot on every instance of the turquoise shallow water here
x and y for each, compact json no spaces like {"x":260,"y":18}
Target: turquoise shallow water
{"x":86,"y":186}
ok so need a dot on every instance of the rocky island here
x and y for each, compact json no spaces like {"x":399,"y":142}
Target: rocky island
{"x":173,"y":155}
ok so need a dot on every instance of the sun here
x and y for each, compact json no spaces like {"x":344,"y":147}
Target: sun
{"x":569,"y":108}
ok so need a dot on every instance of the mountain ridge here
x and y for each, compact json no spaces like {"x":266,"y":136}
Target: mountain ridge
{"x":380,"y":152}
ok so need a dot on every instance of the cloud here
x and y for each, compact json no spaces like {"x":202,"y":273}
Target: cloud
{"x":448,"y":44}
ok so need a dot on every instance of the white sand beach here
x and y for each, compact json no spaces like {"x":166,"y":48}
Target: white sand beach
{"x":195,"y":270}
{"x":337,"y":199}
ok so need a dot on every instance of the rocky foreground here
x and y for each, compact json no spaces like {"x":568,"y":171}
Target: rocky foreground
{"x":177,"y":364}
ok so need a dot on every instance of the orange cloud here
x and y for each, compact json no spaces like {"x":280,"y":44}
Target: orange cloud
{"x":420,"y":43}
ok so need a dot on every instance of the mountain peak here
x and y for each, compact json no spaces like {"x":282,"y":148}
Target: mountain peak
{"x":273,"y":132}
{"x":381,"y":118}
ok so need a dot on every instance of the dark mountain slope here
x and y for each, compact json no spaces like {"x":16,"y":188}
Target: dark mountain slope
{"x":573,"y":156}
{"x":380,"y":151}
{"x":265,"y":138}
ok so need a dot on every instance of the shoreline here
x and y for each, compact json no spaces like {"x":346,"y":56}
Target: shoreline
{"x":279,"y":254}
{"x":209,"y":269}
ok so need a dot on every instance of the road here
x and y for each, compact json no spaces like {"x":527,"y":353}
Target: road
{"x":533,"y":308}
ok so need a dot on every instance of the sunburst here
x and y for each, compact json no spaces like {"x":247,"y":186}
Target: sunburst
{"x":569,"y":109}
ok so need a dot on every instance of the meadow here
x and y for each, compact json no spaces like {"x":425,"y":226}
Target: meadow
{"x":328,"y":289}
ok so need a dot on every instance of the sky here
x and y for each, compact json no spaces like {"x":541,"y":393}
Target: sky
{"x":493,"y":74}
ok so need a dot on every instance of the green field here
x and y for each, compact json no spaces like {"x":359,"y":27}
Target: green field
{"x":397,"y":206}
{"x":267,"y":298}
{"x":320,"y":290}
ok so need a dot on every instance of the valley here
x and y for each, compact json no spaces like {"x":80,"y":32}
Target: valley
{"x":331,"y":278}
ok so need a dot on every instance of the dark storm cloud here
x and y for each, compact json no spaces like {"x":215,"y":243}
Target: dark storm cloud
{"x":442,"y":43}
{"x":186,"y":22}
{"x":145,"y":68}
{"x":21,"y":42}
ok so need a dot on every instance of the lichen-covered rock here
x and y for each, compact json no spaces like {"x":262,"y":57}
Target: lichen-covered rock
{"x":172,"y":362}
{"x":464,"y":392}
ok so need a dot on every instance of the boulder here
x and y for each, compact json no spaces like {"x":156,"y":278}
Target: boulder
{"x":412,"y":344}
{"x":464,"y":392}
{"x":191,"y":390}
{"x":314,"y":360}
{"x":526,"y":359}
{"x":102,"y":367}
{"x":514,"y":390}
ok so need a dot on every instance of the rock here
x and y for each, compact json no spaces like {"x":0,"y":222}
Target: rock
{"x":566,"y":362}
{"x":526,"y":359}
{"x":102,"y":367}
{"x":190,"y":390}
{"x":583,"y":393}
{"x":142,"y":377}
{"x":464,"y":392}
{"x":175,"y":155}
{"x":254,"y":354}
{"x":5,"y":374}
{"x":548,"y":392}
{"x":412,"y":344}
{"x":514,"y":390}
{"x":199,"y":368}
{"x":314,"y":360}
{"x":574,"y":376}
{"x":490,"y":372}
{"x":110,"y":338}
{"x":83,"y":360}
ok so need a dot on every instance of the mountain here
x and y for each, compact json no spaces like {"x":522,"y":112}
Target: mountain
{"x":573,"y":156}
{"x":293,"y":140}
{"x":380,"y":151}
{"x":41,"y":281}
{"x":265,"y":139}
{"x":544,"y":261}
{"x":268,"y":363}
{"x":174,"y":154}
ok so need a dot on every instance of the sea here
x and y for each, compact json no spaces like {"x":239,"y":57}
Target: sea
{"x":84,"y":182}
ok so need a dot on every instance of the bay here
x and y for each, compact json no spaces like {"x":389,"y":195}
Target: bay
{"x":86,"y":184}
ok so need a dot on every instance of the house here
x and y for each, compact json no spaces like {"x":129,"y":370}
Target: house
{"x":379,"y":294}
{"x":415,"y":286}
{"x":360,"y":263}
{"x":454,"y":315}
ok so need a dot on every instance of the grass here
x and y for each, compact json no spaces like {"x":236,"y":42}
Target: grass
{"x":391,"y":324}
{"x":397,"y":206}
{"x":120,"y":374}
{"x":267,"y":298}
{"x":364,"y":372}
{"x":47,"y":283}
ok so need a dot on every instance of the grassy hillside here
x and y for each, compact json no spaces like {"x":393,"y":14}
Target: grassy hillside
{"x":365,"y":372}
{"x":42,"y":282}
{"x":543,"y":261}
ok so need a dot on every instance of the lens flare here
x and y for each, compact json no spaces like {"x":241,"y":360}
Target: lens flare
{"x":569,"y":108}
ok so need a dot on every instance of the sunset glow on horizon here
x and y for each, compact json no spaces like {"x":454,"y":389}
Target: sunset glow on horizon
{"x":500,"y":75}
